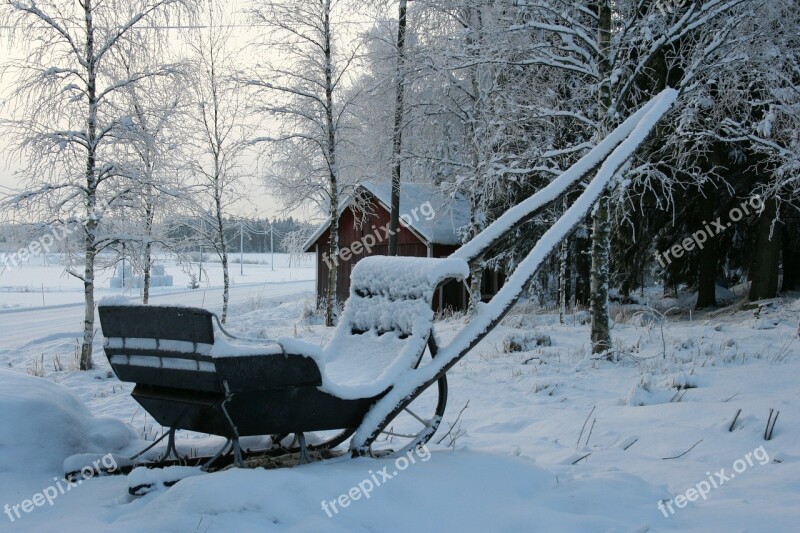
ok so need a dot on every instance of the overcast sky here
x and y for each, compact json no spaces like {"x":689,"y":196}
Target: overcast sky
{"x":263,"y":203}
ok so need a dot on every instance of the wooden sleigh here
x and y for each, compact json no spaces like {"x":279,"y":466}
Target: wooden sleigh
{"x":383,"y":363}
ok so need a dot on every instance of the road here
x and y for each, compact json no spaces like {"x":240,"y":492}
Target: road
{"x":19,"y":326}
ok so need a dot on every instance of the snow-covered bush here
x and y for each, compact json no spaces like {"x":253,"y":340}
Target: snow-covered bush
{"x":310,"y":312}
{"x":525,"y":341}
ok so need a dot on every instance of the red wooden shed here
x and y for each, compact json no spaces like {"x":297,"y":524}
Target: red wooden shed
{"x":430,"y":220}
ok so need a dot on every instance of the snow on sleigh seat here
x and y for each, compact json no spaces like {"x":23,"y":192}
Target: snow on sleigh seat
{"x":189,"y":377}
{"x":386,"y":324}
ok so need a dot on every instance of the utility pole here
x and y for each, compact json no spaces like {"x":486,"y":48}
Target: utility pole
{"x":241,"y":247}
{"x":272,"y":246}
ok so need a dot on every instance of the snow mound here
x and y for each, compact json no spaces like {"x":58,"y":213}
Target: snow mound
{"x":44,"y":423}
{"x":433,"y":494}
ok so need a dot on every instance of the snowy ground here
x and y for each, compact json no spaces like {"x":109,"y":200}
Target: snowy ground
{"x":41,"y":281}
{"x":551,"y":439}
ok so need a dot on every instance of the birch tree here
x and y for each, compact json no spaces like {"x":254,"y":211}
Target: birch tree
{"x":155,"y":157}
{"x":301,"y":85}
{"x":218,"y":122}
{"x":66,"y":122}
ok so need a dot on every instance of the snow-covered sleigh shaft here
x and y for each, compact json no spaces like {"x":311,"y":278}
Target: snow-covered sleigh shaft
{"x":610,"y":155}
{"x":189,"y":377}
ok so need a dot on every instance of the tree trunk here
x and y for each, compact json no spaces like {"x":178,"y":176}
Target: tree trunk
{"x":707,"y":258}
{"x":148,"y":253}
{"x":601,"y":334}
{"x":86,"y":362}
{"x":766,"y":255}
{"x":226,"y":277}
{"x":472,"y":131}
{"x":583,"y":267}
{"x":562,"y":281}
{"x":570,"y":299}
{"x":394,"y":216}
{"x":475,"y":296}
{"x":707,"y":276}
{"x":791,"y":261}
{"x":476,"y":270}
{"x":333,"y":182}
{"x":601,"y":235}
{"x":333,"y":251}
{"x":90,"y":250}
{"x":146,"y":274}
{"x":226,"y":292}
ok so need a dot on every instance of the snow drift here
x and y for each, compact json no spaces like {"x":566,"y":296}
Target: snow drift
{"x":44,"y":423}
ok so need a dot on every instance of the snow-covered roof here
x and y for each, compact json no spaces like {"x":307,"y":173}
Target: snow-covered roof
{"x":426,"y":210}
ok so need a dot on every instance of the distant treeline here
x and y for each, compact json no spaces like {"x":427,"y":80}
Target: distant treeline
{"x":256,"y":232}
{"x":185,"y":230}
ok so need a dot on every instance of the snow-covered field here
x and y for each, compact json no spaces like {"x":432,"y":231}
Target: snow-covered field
{"x":41,"y":281}
{"x":550,"y":439}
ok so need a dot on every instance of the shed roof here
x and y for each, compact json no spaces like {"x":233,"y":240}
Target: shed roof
{"x":432,"y":214}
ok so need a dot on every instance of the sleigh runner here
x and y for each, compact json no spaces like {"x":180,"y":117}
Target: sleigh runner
{"x":383,"y":360}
